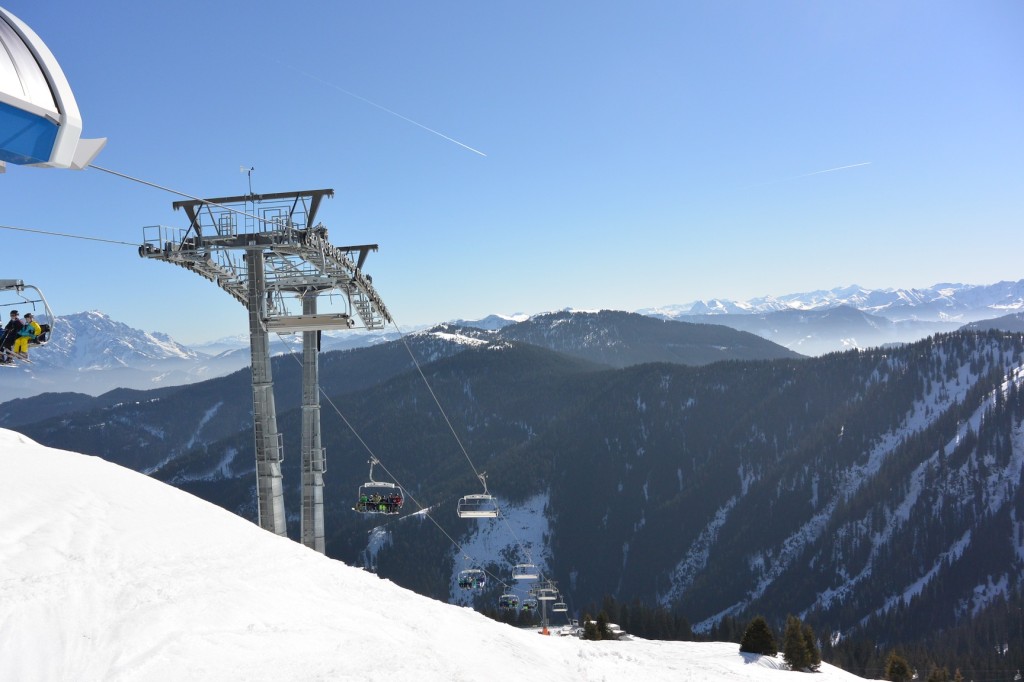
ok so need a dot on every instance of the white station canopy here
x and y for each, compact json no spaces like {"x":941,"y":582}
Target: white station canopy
{"x":39,"y":120}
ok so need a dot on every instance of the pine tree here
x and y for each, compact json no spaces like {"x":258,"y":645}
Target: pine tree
{"x":812,"y":654}
{"x":938,"y":674}
{"x":590,"y":630}
{"x":602,"y":626}
{"x":794,"y":646}
{"x":897,"y":669}
{"x":759,"y":638}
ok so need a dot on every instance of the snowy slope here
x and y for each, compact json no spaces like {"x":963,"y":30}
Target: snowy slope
{"x":106,"y":574}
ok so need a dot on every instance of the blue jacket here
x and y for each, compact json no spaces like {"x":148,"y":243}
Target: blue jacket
{"x":31,"y":330}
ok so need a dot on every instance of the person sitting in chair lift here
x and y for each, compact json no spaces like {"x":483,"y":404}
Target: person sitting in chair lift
{"x":29,"y":331}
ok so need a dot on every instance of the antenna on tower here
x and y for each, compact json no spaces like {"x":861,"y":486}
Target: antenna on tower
{"x":248,"y":171}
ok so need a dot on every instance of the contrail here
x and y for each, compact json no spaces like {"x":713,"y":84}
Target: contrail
{"x":383,"y":108}
{"x":807,"y":175}
{"x":830,"y":170}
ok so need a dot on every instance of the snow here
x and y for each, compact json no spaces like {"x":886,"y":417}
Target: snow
{"x":106,"y":574}
{"x":517,"y":535}
{"x":696,"y":559}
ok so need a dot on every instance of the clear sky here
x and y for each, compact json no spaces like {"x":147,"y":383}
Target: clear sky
{"x":631,"y":154}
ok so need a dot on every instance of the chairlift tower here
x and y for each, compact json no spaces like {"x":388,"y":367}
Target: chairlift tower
{"x":269,"y":254}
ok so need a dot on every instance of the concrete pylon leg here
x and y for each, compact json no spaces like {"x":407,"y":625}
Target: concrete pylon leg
{"x":268,"y":441}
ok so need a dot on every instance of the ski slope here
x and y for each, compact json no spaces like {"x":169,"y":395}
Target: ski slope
{"x":106,"y":574}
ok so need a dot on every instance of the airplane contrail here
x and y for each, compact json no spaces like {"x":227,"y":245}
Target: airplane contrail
{"x":383,"y":108}
{"x":852,"y":165}
{"x":807,"y":175}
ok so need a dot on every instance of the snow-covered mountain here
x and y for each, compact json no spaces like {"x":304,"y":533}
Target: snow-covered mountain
{"x":944,"y":302}
{"x":92,"y":341}
{"x":493,"y":322}
{"x":91,"y":353}
{"x":330,"y":340}
{"x":818,"y":322}
{"x":106,"y":574}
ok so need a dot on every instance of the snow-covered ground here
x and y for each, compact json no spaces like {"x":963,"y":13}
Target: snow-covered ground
{"x":106,"y":574}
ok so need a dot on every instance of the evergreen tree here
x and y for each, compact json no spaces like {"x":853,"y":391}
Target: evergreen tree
{"x":759,"y":638}
{"x":602,"y":626}
{"x":590,"y":630}
{"x":812,"y":660}
{"x":938,"y":674}
{"x":596,"y":630}
{"x":794,"y":646}
{"x":897,"y":669}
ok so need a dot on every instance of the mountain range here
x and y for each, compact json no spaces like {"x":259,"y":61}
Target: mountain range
{"x":93,"y":354}
{"x":877,"y":494}
{"x":818,"y":322}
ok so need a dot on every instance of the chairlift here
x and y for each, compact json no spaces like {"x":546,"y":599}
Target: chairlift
{"x":529,"y":605}
{"x":15,"y":297}
{"x":379,"y":497}
{"x":508,"y":601}
{"x":559,"y":607}
{"x":547,"y":594}
{"x":472,"y":579}
{"x":525,"y":572}
{"x":478,"y":506}
{"x":41,"y":124}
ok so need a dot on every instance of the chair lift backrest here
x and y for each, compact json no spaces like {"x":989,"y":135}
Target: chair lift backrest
{"x":547,"y":594}
{"x":477,"y":507}
{"x":525,"y":572}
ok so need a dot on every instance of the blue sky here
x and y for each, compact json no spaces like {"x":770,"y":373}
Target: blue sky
{"x":637,"y":153}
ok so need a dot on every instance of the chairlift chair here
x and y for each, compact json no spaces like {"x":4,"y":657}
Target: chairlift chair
{"x":547,"y":594}
{"x":472,"y":579}
{"x":529,"y":605}
{"x":525,"y":572}
{"x":13,"y":296}
{"x":479,"y":505}
{"x":508,"y":601}
{"x":379,"y":497}
{"x":559,"y":607}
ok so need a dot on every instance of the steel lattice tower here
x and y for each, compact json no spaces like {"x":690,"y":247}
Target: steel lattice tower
{"x":270,"y":255}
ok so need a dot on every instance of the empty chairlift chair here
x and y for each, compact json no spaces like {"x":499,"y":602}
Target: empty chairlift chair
{"x":547,"y":594}
{"x":525,"y":571}
{"x":559,"y":607}
{"x":478,"y":506}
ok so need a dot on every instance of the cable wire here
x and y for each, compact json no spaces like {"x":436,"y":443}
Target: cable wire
{"x":519,"y":543}
{"x":64,"y":234}
{"x":421,"y":509}
{"x":186,"y":195}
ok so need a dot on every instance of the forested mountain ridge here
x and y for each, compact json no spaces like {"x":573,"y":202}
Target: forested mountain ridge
{"x":768,"y":486}
{"x":791,"y":486}
{"x":622,"y":339}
